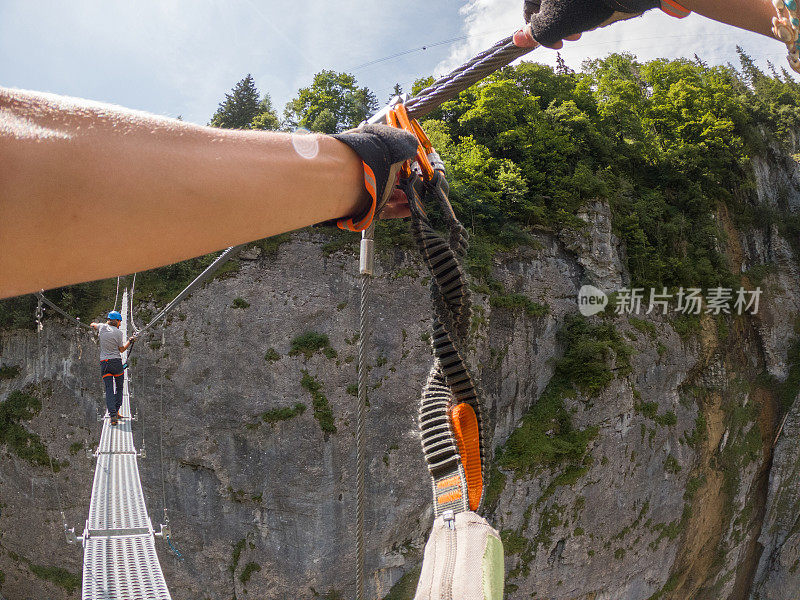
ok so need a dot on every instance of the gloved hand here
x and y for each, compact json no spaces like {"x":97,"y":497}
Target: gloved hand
{"x":553,"y":20}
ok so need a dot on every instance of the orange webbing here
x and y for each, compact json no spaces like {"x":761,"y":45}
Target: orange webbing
{"x":674,"y":9}
{"x":465,"y":426}
{"x":370,"y":184}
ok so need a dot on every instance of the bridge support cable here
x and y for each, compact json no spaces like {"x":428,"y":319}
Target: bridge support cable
{"x":199,"y":280}
{"x":119,"y":556}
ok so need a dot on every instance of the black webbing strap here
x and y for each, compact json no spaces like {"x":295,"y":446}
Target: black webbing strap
{"x":449,"y":382}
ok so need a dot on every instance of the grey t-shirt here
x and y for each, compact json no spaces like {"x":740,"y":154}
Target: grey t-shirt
{"x":110,"y":341}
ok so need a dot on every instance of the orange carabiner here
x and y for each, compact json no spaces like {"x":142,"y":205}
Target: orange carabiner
{"x":398,"y":117}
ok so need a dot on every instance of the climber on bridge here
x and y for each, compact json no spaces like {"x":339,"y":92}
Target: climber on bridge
{"x":111,"y":368}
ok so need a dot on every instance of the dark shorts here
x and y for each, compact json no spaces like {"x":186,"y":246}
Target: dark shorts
{"x":111,"y":367}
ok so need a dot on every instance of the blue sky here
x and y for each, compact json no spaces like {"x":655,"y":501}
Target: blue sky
{"x":179,"y":57}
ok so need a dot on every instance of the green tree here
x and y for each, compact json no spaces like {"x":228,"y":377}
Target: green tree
{"x":244,"y":109}
{"x":266,"y":118}
{"x":240,"y":106}
{"x":332,"y":103}
{"x":396,"y":91}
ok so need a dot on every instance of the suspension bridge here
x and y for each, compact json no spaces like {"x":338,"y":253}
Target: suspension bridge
{"x":119,"y":552}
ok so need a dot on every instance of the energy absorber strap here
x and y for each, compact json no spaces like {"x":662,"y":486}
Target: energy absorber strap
{"x":450,"y":415}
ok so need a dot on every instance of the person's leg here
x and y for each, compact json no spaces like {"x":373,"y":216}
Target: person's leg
{"x":108,"y":382}
{"x":119,"y":382}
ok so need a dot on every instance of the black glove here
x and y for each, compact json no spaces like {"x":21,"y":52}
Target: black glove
{"x":553,"y":20}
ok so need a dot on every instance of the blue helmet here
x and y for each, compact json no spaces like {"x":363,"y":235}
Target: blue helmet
{"x":114,"y":316}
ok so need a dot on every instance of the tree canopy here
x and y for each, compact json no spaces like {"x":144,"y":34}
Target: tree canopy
{"x":332,"y":103}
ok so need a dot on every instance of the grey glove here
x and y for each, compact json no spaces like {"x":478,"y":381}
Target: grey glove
{"x":553,"y":20}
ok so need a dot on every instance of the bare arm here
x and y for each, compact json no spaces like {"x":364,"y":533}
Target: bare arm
{"x":185,"y":190}
{"x":562,"y":17}
{"x":753,"y":15}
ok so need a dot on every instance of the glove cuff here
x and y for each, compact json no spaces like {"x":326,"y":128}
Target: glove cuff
{"x":382,"y":151}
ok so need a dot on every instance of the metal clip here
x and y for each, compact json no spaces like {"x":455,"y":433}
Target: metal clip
{"x":69,"y":533}
{"x":166,"y":531}
{"x":449,"y":518}
{"x":436,"y":161}
{"x":366,"y":263}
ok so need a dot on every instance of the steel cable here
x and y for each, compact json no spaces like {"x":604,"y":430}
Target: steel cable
{"x":38,"y":378}
{"x":116,"y":294}
{"x":200,"y":279}
{"x":364,"y":331}
{"x":61,"y":312}
{"x":448,"y":87}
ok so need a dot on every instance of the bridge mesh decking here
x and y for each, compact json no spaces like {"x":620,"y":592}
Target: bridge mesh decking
{"x":119,"y":556}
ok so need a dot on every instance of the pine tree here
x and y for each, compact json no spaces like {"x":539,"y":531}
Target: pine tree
{"x":266,"y":118}
{"x":397,"y":91}
{"x":240,"y":107}
{"x":561,"y":66}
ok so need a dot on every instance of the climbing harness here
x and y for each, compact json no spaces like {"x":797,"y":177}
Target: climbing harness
{"x":450,"y":416}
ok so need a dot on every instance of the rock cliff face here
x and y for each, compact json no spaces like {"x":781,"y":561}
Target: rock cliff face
{"x":682,"y":491}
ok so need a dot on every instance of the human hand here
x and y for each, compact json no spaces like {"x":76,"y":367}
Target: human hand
{"x":551,"y":21}
{"x":396,"y":207}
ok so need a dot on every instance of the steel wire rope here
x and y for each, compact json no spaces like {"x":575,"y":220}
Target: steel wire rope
{"x":38,"y":378}
{"x":61,"y":311}
{"x":161,"y":446}
{"x":116,"y":294}
{"x":444,"y":42}
{"x":226,"y":255}
{"x":130,"y":302}
{"x":498,"y":56}
{"x":363,"y":329}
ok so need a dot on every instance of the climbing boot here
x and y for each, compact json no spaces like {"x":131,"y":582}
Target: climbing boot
{"x":382,"y":151}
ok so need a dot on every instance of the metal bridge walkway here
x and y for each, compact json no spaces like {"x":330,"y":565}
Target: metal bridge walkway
{"x":119,"y":556}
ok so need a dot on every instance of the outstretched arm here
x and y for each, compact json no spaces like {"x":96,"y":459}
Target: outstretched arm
{"x":553,"y":20}
{"x":171,"y":190}
{"x":754,"y":15}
